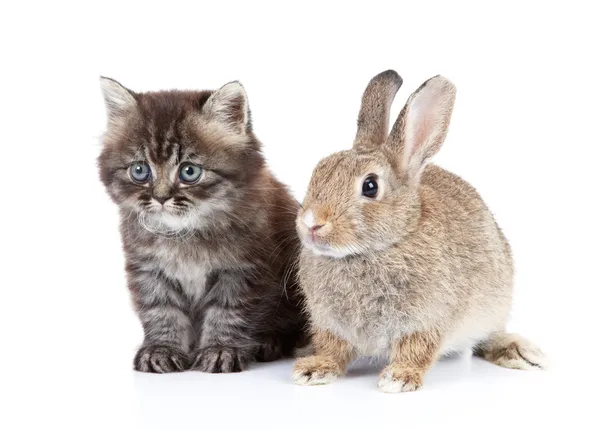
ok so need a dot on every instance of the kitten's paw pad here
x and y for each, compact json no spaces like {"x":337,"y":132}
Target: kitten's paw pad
{"x":160,"y":359}
{"x":396,"y":381}
{"x":315,"y":370}
{"x":220,"y":359}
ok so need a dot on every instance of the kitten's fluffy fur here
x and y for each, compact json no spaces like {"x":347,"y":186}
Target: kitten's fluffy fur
{"x":211,"y":269}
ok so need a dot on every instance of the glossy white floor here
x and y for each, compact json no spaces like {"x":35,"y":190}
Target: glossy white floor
{"x":85,"y":386}
{"x":458,"y":391}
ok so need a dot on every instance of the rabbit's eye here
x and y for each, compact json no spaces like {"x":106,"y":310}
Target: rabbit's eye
{"x":370,"y":187}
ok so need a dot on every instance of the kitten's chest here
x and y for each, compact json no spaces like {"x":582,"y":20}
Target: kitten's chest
{"x":189,"y":267}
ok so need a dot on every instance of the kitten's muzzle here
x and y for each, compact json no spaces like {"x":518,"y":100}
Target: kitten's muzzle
{"x":161,"y":199}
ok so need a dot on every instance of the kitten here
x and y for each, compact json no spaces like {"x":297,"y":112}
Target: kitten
{"x":208,"y":232}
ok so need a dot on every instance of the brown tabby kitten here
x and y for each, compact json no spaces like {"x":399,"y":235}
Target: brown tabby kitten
{"x":208,"y":232}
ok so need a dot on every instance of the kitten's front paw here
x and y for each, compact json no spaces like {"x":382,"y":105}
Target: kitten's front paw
{"x":395,"y":380}
{"x":160,"y":359}
{"x":220,"y":359}
{"x":315,"y":370}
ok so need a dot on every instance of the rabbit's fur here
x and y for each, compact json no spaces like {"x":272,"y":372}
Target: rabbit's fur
{"x":419,"y":271}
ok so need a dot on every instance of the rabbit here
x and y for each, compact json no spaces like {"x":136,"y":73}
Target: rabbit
{"x":402,"y":259}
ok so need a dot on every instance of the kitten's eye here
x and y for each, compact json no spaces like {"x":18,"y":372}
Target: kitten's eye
{"x":190,"y":173}
{"x":139,"y":172}
{"x":370,"y":187}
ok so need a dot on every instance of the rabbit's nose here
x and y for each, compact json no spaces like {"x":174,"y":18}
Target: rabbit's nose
{"x":308,"y":219}
{"x":314,"y":228}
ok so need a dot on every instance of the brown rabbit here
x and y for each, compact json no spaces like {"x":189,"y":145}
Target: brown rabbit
{"x":400,"y":258}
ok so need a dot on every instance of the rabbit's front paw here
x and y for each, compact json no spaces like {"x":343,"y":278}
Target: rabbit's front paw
{"x":396,"y":380}
{"x":315,"y":370}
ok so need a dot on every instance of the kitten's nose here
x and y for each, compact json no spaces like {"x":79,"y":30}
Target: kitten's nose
{"x":162,"y":199}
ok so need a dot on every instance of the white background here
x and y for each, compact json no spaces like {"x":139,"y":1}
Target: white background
{"x":525,"y":133}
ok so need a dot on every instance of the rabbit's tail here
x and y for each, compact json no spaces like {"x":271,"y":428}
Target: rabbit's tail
{"x":512,"y":351}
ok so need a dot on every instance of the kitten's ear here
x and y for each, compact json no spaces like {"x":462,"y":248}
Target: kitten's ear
{"x":422,"y":126}
{"x":229,"y":106}
{"x":117,"y":98}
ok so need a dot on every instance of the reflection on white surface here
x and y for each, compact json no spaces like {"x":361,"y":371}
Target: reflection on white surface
{"x":456,"y":388}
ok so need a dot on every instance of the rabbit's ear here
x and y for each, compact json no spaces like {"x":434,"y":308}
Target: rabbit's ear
{"x":373,"y":117}
{"x":421,"y":127}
